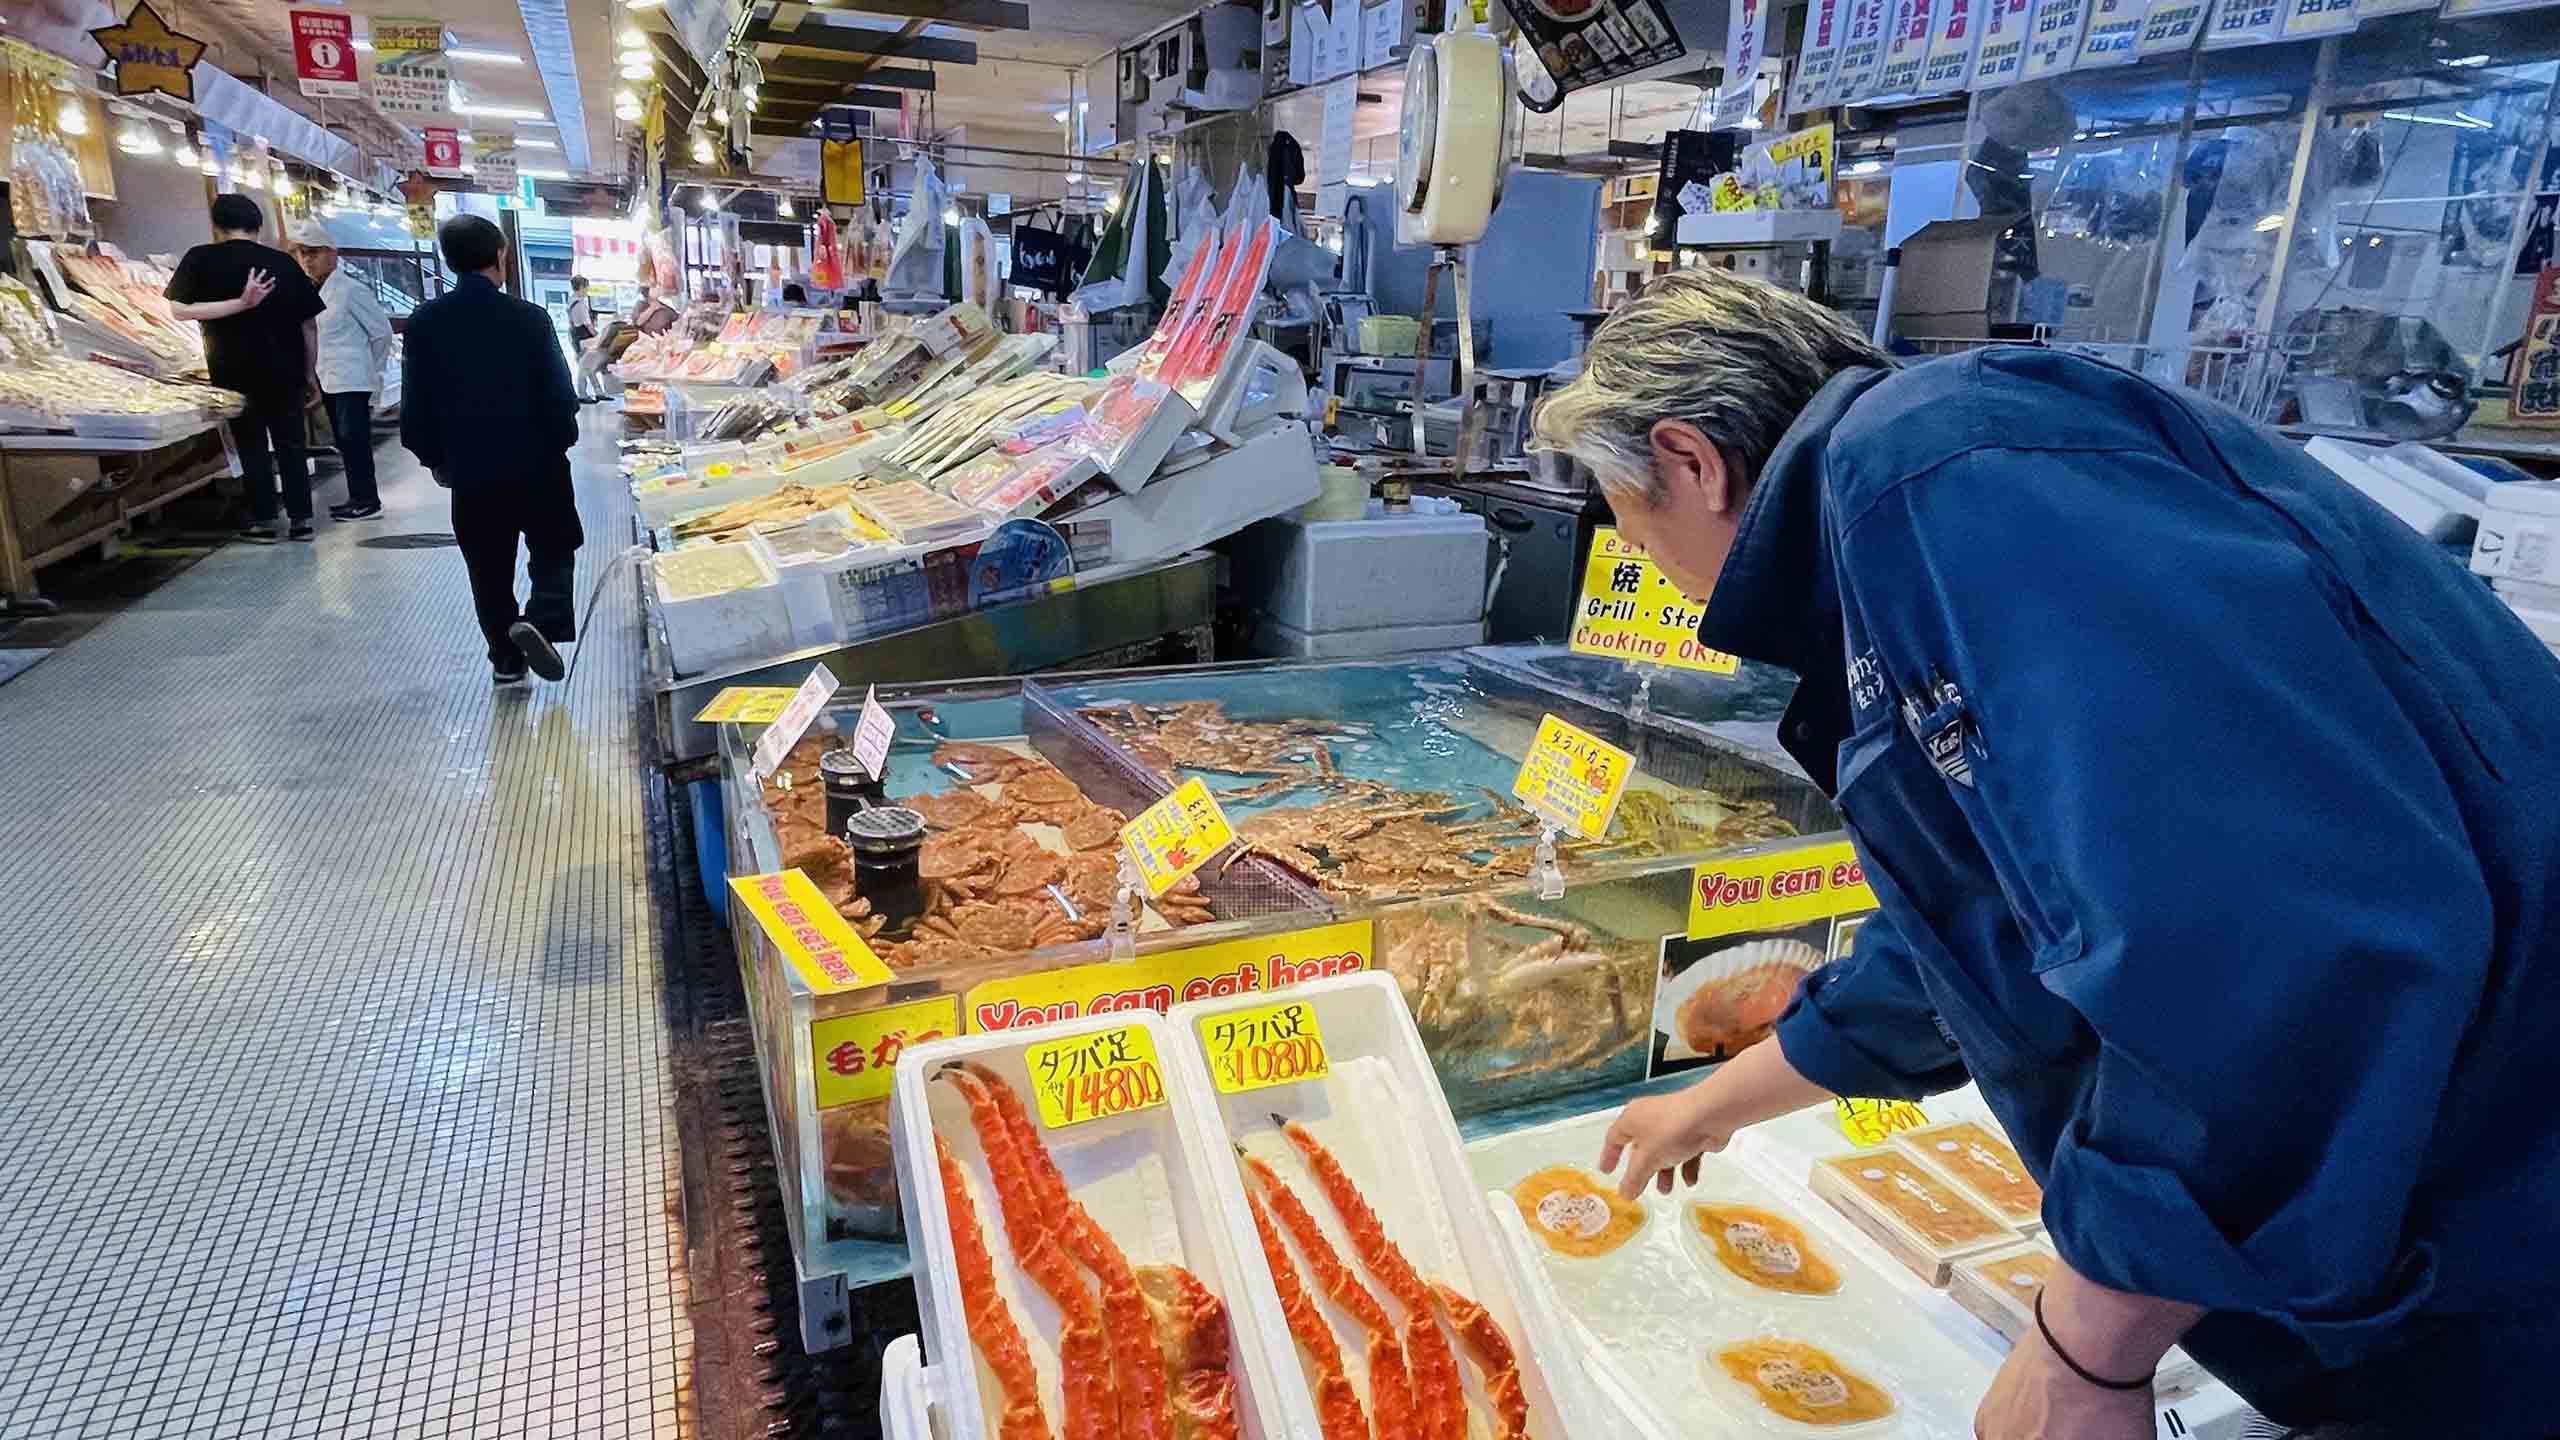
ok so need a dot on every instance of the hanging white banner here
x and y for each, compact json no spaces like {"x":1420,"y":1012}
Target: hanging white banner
{"x":2114,"y":27}
{"x":1746,"y":40}
{"x":2243,"y":22}
{"x":2006,"y":24}
{"x":1951,"y":49}
{"x":2170,"y":27}
{"x":1906,"y":45}
{"x":1861,"y":50}
{"x":2306,"y":18}
{"x":1817,"y":57}
{"x":2055,"y":41}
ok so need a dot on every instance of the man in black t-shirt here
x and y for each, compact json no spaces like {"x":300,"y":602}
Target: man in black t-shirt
{"x":260,"y":316}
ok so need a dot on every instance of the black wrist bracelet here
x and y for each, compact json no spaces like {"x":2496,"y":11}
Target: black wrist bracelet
{"x":2065,"y":1357}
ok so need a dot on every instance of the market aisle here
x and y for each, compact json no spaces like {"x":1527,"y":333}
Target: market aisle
{"x":330,"y":1030}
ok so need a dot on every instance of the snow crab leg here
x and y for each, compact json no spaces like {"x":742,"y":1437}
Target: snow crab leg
{"x":1084,"y":1356}
{"x":1337,"y":1403}
{"x":1137,"y":1367}
{"x":991,"y":1325}
{"x":1440,"y":1405}
{"x":1491,"y":1350}
{"x":1390,"y":1387}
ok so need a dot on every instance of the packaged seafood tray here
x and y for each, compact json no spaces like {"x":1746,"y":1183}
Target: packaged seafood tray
{"x":1740,"y":1306}
{"x":1911,"y":1210}
{"x":1058,"y":1265}
{"x":1999,"y":1287}
{"x":1354,"y":1188}
{"x":1978,"y":1159}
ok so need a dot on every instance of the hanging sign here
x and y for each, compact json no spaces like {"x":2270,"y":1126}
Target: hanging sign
{"x":1861,"y":49}
{"x":1333,"y":148}
{"x":1176,"y":835}
{"x":1817,"y":57}
{"x":2053,"y":45}
{"x":150,"y":58}
{"x":2114,"y":28}
{"x":2170,"y":27}
{"x":1630,"y":610}
{"x":1746,"y":37}
{"x":871,"y":735}
{"x":324,"y":53}
{"x":444,"y":149}
{"x":1094,"y":1077}
{"x":410,"y":75}
{"x":1906,"y":45}
{"x":493,"y":159}
{"x":2243,"y":22}
{"x":1572,"y":779}
{"x":2306,"y":18}
{"x":1951,"y":49}
{"x":806,"y":931}
{"x":2006,"y":24}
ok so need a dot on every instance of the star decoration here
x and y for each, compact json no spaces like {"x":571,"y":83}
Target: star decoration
{"x":149,"y":56}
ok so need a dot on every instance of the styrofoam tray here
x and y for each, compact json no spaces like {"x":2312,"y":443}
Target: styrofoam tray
{"x":908,"y":1395}
{"x":1380,"y":1111}
{"x":1657,"y":1307}
{"x":1145,"y":1176}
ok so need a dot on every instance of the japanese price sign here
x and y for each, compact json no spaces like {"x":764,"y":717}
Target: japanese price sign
{"x":1869,"y":1122}
{"x":871,"y":734}
{"x":745,"y":705}
{"x":1774,"y":891}
{"x":814,"y":940}
{"x":324,"y":52}
{"x":1176,"y":835}
{"x":1573,"y":779}
{"x":1094,"y":1077}
{"x":793,"y":722}
{"x":1265,"y":1046}
{"x":857,"y":1053}
{"x":1165,"y":978}
{"x":410,"y":76}
{"x":1631,"y":611}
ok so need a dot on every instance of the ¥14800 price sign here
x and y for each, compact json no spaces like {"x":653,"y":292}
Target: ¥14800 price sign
{"x":1094,"y":1077}
{"x":1267,"y":1045}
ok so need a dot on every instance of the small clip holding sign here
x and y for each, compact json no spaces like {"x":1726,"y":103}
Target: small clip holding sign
{"x":1124,"y":911}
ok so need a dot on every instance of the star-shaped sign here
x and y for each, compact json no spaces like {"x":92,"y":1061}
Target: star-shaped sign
{"x":149,"y":56}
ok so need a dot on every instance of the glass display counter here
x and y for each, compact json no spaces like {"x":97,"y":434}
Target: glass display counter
{"x":1377,"y":830}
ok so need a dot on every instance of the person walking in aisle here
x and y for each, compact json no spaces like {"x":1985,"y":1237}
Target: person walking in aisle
{"x":355,"y":340}
{"x":260,"y":318}
{"x":582,"y":333}
{"x":486,"y":405}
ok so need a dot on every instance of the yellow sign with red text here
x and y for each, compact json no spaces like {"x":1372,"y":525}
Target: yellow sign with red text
{"x":1176,"y":835}
{"x":1166,"y":978}
{"x":1268,"y":1045}
{"x":1776,"y":890}
{"x":823,"y":950}
{"x":1094,"y":1077}
{"x":1573,"y":779}
{"x":1631,"y":611}
{"x":856,"y":1054}
{"x":745,"y":705}
{"x":1870,"y":1122}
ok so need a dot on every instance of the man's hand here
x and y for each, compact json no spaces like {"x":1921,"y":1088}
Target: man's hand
{"x":2036,"y":1397}
{"x":260,"y":286}
{"x":1662,"y":1133}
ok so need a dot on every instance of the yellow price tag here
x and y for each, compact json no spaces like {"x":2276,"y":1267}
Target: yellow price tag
{"x":1176,"y":835}
{"x":856,"y":1054}
{"x":1573,"y":778}
{"x":1094,"y":1077}
{"x":1773,"y":891}
{"x":1631,"y":611}
{"x":813,"y":938}
{"x":745,"y":705}
{"x":1869,"y":1122}
{"x":1264,"y":1046}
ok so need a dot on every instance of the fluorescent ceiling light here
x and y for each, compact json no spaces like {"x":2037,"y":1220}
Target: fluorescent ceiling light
{"x":498,"y":112}
{"x":631,"y":35}
{"x":2459,"y":121}
{"x":1864,"y":167}
{"x":527,"y":142}
{"x":540,"y":174}
{"x":486,"y":57}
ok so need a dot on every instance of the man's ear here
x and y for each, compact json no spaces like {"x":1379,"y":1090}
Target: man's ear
{"x":1684,"y":456}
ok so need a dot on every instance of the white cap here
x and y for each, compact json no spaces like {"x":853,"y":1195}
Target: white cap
{"x":310,"y":233}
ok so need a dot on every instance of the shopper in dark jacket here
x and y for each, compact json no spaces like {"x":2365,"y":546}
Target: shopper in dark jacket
{"x":487,"y":406}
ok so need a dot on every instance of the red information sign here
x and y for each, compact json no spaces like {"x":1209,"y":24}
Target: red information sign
{"x":324,"y":53}
{"x":444,"y":150}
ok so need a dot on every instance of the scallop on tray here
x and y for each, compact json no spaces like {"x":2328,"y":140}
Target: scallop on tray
{"x":1352,"y":1190}
{"x":1739,"y":1306}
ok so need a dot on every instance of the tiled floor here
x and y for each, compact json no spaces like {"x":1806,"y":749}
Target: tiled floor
{"x":333,"y":1082}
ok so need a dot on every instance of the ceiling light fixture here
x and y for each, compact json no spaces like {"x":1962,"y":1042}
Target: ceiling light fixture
{"x":285,"y":188}
{"x":182,"y":153}
{"x":486,"y":57}
{"x":1059,"y":114}
{"x":500,"y":112}
{"x":950,"y":214}
{"x":1865,"y":167}
{"x":209,"y":164}
{"x":631,"y":35}
{"x":537,"y":173}
{"x":636,"y":70}
{"x":137,"y":139}
{"x":747,"y":94}
{"x":720,"y":113}
{"x":527,"y":142}
{"x":701,"y":148}
{"x":782,"y":208}
{"x":73,"y":119}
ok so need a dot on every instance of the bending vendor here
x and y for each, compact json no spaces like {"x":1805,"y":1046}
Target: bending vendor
{"x":2209,"y":809}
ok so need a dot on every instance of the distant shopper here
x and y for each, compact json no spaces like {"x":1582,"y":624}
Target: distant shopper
{"x":259,"y":314}
{"x":794,"y":294}
{"x":486,"y":405}
{"x":355,"y":340}
{"x":582,"y":333}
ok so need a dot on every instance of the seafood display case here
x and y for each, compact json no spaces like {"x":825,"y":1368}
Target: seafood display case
{"x":1377,"y":831}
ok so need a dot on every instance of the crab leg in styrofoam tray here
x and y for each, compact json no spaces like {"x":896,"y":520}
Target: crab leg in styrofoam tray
{"x":1144,"y":1178}
{"x":1379,"y":1114}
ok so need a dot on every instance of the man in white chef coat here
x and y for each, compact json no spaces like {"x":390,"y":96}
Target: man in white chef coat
{"x":355,"y":340}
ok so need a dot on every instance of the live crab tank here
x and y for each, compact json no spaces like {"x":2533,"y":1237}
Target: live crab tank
{"x":1377,"y":830}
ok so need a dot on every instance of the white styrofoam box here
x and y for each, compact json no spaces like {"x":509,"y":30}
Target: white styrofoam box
{"x":1273,"y":638}
{"x":2415,"y":500}
{"x":720,"y":605}
{"x":1399,"y":570}
{"x":907,"y":1398}
{"x":808,"y":601}
{"x":1382,"y":1114}
{"x":1147,"y":1176}
{"x":1194,"y":503}
{"x":2443,"y":470}
{"x":665,"y":501}
{"x":2519,"y":535}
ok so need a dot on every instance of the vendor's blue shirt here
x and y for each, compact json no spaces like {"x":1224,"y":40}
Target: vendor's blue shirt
{"x":2215,"y":818}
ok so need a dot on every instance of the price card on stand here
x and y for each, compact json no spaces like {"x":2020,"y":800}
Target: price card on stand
{"x":1267,"y":1045}
{"x":1175,"y":836}
{"x":745,"y":705}
{"x":1630,"y":610}
{"x":1870,"y":1122}
{"x":1094,"y":1077}
{"x":1573,"y":779}
{"x":793,"y":722}
{"x":871,"y":734}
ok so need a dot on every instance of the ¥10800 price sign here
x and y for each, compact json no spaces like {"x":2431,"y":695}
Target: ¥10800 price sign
{"x":1264,"y":1046}
{"x":1094,"y":1077}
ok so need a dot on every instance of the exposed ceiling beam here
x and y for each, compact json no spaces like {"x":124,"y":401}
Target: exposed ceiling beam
{"x":819,"y":34}
{"x":859,"y":97}
{"x":807,"y":74}
{"x":967,"y":14}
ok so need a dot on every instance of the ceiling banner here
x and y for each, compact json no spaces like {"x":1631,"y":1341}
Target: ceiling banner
{"x":324,"y":53}
{"x":411,"y":79}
